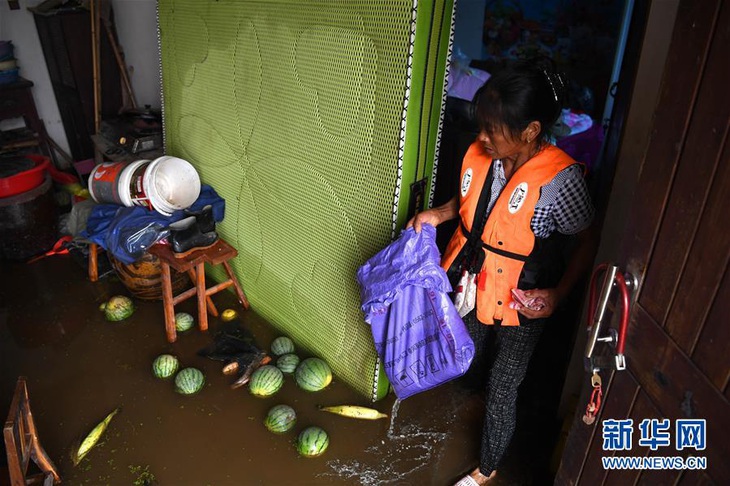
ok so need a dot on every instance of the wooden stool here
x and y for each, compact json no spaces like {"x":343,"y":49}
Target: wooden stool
{"x":194,"y":263}
{"x":22,"y":445}
{"x":94,"y":262}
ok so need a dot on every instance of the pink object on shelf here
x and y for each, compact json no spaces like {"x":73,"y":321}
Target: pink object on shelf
{"x":464,"y":83}
{"x":584,"y":146}
{"x":84,"y":167}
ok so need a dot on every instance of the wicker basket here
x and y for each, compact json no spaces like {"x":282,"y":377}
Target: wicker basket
{"x":143,"y":278}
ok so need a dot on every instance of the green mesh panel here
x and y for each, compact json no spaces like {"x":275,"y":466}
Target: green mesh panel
{"x":308,"y":119}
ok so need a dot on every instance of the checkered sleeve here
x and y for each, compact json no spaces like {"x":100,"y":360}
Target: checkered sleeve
{"x":564,"y":205}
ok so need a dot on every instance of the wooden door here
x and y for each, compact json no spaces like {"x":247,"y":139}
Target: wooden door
{"x":677,"y":241}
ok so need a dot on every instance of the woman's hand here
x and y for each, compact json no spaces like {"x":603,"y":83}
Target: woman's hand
{"x":430,"y":216}
{"x":578,"y":265}
{"x":550,"y":298}
{"x":435,"y":216}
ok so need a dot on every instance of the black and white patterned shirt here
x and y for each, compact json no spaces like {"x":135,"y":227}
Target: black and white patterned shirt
{"x":564,"y":203}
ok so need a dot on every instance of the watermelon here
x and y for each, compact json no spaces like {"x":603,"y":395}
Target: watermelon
{"x":266,"y":381}
{"x":165,"y":365}
{"x":183,"y":322}
{"x":287,"y":363}
{"x":117,"y":308}
{"x":189,"y":381}
{"x":280,"y":419}
{"x":313,"y":374}
{"x":312,"y":441}
{"x":282,"y":345}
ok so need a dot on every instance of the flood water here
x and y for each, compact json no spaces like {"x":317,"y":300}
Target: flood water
{"x":80,"y":367}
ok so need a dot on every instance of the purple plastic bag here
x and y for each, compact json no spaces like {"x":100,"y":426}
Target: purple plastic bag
{"x":420,"y":337}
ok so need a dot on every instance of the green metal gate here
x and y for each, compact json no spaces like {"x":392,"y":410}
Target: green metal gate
{"x":313,"y":120}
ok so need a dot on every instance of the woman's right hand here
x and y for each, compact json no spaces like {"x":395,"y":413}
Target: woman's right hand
{"x":435,"y":216}
{"x":430,"y":216}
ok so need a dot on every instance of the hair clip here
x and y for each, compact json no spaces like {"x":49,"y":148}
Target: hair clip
{"x":552,"y":86}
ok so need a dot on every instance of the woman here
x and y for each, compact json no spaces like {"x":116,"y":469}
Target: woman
{"x":519,"y":200}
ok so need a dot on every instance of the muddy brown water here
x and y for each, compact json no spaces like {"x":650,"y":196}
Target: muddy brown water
{"x":80,"y":367}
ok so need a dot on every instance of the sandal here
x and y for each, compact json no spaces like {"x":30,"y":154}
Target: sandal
{"x":469,"y":479}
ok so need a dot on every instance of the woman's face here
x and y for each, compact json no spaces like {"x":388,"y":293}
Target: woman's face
{"x":499,"y":144}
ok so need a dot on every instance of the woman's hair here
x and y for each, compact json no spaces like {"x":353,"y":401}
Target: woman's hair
{"x":519,"y":93}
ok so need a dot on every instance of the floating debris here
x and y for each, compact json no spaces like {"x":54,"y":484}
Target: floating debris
{"x":91,"y":440}
{"x":354,"y":411}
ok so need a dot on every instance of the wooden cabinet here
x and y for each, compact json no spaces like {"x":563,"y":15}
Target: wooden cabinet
{"x":16,"y":101}
{"x":65,"y":36}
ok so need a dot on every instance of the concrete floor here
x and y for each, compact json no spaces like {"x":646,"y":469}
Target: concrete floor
{"x":80,"y":367}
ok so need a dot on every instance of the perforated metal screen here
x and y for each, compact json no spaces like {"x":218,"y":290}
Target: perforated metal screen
{"x":309,"y":119}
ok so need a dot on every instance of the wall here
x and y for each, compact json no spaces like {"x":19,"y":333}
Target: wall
{"x":136,"y":22}
{"x":19,"y":27}
{"x":468,"y":27}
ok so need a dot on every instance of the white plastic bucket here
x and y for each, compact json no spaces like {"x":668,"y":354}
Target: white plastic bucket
{"x":131,"y":186}
{"x":165,"y":184}
{"x":171,"y":184}
{"x":104,"y":182}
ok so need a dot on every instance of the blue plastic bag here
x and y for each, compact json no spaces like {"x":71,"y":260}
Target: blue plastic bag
{"x":420,"y":338}
{"x":128,"y":232}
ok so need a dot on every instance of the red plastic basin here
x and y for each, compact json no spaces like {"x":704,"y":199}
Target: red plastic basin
{"x":26,"y":180}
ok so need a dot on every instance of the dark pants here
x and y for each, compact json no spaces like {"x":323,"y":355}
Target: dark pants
{"x":500,"y":363}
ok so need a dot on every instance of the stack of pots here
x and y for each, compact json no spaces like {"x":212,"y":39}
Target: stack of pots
{"x":28,"y":210}
{"x":8,"y":63}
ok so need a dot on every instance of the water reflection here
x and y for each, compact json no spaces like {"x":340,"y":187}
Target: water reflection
{"x":412,"y":447}
{"x":217,"y":436}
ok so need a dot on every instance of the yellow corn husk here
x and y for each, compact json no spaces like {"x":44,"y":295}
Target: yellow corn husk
{"x":354,"y":411}
{"x":90,"y":441}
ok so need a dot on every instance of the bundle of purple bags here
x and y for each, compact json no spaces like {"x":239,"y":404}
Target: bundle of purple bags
{"x":419,"y":336}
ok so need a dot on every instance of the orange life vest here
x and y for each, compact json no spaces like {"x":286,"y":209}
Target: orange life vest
{"x":507,"y":239}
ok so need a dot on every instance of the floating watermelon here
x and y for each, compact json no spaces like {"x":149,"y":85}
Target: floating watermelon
{"x":287,"y":363}
{"x":165,"y":365}
{"x":313,"y":374}
{"x":189,"y":381}
{"x":117,"y":308}
{"x":266,"y":381}
{"x":280,"y":419}
{"x":312,"y":441}
{"x":183,"y":322}
{"x":282,"y":345}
